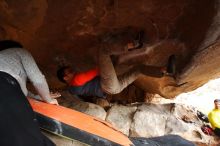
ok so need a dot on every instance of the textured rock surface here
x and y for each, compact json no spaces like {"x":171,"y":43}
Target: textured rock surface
{"x":67,"y":32}
{"x":90,"y":109}
{"x":157,"y":120}
{"x":148,"y":121}
{"x":70,"y":101}
{"x":121,"y":117}
{"x":151,"y":120}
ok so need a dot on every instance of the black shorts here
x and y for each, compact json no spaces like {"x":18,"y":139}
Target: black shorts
{"x":217,"y":131}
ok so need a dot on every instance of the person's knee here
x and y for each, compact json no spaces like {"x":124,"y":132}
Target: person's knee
{"x":111,"y":89}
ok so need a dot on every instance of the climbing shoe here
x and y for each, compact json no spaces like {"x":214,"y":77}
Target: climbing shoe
{"x":202,"y":117}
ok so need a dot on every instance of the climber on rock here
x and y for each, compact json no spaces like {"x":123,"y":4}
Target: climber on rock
{"x":214,"y":117}
{"x":103,"y":79}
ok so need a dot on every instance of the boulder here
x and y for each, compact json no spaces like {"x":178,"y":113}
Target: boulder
{"x":153,"y":120}
{"x":74,"y":102}
{"x":183,"y":121}
{"x":90,"y":109}
{"x":121,"y":117}
{"x":149,"y":120}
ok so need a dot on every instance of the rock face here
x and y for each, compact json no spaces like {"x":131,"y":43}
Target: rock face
{"x":148,"y":120}
{"x":70,"y":101}
{"x":120,"y":117}
{"x":157,"y":120}
{"x":68,"y":32}
{"x":151,"y":120}
{"x":90,"y":109}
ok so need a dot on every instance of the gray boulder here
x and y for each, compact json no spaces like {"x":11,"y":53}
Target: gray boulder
{"x":121,"y":117}
{"x":149,"y":120}
{"x":90,"y":109}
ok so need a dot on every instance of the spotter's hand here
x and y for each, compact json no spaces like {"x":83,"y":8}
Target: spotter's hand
{"x":55,"y":95}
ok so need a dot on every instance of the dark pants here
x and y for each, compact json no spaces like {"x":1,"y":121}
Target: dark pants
{"x":217,"y":131}
{"x":113,"y":84}
{"x":91,"y":88}
{"x":18,"y":126}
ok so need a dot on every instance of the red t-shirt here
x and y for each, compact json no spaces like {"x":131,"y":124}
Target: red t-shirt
{"x":82,"y":78}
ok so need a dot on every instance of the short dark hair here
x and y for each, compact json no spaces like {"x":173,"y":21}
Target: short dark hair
{"x":217,"y":100}
{"x":61,"y":73}
{"x":5,"y":44}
